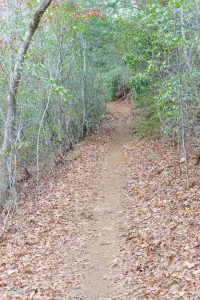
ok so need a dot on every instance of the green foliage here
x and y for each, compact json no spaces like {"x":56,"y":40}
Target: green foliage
{"x":77,"y":62}
{"x":62,"y":93}
{"x":161,"y":46}
{"x":115,"y":80}
{"x":146,"y":126}
{"x":153,"y":156}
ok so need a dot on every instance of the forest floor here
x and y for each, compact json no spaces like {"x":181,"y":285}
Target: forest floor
{"x":114,"y":221}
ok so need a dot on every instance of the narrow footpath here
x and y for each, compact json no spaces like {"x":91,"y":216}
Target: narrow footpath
{"x":64,"y":241}
{"x":99,"y":280}
{"x":114,"y":221}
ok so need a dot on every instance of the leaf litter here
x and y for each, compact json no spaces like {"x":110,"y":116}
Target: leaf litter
{"x":42,"y":255}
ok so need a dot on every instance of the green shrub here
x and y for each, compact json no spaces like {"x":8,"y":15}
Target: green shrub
{"x":115,"y":80}
{"x":146,"y":126}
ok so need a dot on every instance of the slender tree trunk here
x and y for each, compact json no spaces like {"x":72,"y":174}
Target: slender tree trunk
{"x":84,"y":46}
{"x":12,"y":96}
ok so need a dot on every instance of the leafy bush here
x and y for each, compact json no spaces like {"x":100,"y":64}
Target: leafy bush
{"x":146,"y":126}
{"x":115,"y":80}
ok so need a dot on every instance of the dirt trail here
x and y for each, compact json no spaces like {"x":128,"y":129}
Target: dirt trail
{"x":65,"y":242}
{"x":102,"y":232}
{"x":115,"y":222}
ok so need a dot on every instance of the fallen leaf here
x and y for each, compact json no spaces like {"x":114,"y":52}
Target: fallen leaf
{"x":10,"y":272}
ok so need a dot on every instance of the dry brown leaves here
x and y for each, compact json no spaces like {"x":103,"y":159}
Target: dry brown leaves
{"x":159,"y":258}
{"x":91,"y":13}
{"x":162,"y":240}
{"x":41,"y":253}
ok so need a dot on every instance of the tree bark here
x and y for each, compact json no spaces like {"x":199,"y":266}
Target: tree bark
{"x":12,"y":95}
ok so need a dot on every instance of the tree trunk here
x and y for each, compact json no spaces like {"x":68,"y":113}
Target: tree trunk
{"x":12,"y":96}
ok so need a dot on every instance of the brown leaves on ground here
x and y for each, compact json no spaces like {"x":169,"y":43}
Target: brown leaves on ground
{"x":162,"y":240}
{"x":42,"y":254}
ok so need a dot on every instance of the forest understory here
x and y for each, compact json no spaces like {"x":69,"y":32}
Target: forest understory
{"x":114,"y":221}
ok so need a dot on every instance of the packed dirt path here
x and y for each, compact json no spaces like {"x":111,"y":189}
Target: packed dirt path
{"x":64,"y":243}
{"x":114,"y":220}
{"x":102,"y":246}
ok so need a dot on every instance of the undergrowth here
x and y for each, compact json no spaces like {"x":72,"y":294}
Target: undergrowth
{"x":144,"y":125}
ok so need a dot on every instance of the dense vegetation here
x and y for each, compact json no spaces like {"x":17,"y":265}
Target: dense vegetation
{"x":81,"y":55}
{"x":162,"y":49}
